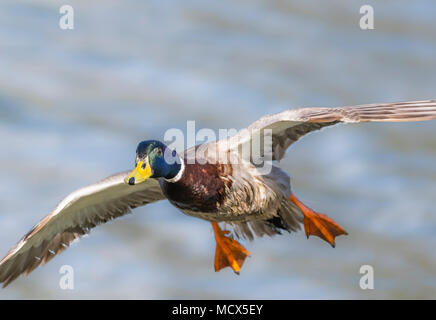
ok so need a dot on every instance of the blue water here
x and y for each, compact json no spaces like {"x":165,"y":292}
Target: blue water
{"x":74,"y":104}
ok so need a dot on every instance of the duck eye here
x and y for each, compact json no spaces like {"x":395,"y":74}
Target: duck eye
{"x":159,"y":152}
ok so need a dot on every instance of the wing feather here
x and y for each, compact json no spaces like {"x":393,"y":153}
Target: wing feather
{"x":73,"y":217}
{"x":289,"y":126}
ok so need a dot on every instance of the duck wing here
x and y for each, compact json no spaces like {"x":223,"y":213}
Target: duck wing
{"x":289,"y":126}
{"x":74,"y":216}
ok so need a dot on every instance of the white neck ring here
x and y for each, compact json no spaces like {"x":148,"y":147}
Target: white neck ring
{"x":179,"y":174}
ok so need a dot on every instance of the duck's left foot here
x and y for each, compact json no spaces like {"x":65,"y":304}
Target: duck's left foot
{"x":229,"y":252}
{"x":318,"y":224}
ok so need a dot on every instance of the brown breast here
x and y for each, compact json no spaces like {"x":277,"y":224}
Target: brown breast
{"x":201,"y":188}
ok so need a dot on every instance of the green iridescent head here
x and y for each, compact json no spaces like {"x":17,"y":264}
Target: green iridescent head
{"x":154,"y":160}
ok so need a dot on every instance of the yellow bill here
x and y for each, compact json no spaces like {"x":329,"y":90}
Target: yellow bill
{"x":139,"y":174}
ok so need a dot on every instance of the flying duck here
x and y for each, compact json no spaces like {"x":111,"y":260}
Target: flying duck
{"x":249,"y":200}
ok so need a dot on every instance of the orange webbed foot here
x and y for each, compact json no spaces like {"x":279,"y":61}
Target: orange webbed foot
{"x":318,"y":224}
{"x":229,"y":252}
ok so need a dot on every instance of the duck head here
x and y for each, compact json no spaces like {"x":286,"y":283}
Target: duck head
{"x":154,"y":160}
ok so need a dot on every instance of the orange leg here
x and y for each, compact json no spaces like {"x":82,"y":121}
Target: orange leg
{"x":318,"y":224}
{"x":229,"y":252}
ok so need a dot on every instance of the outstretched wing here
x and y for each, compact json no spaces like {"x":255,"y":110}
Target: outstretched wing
{"x":73,"y":217}
{"x":288,"y":126}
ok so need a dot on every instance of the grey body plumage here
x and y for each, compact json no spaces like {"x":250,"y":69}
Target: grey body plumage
{"x":247,"y":202}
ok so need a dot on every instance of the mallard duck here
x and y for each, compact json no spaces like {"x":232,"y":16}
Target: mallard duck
{"x":237,"y":193}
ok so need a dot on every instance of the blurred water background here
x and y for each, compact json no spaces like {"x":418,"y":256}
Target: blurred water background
{"x":74,"y":105}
